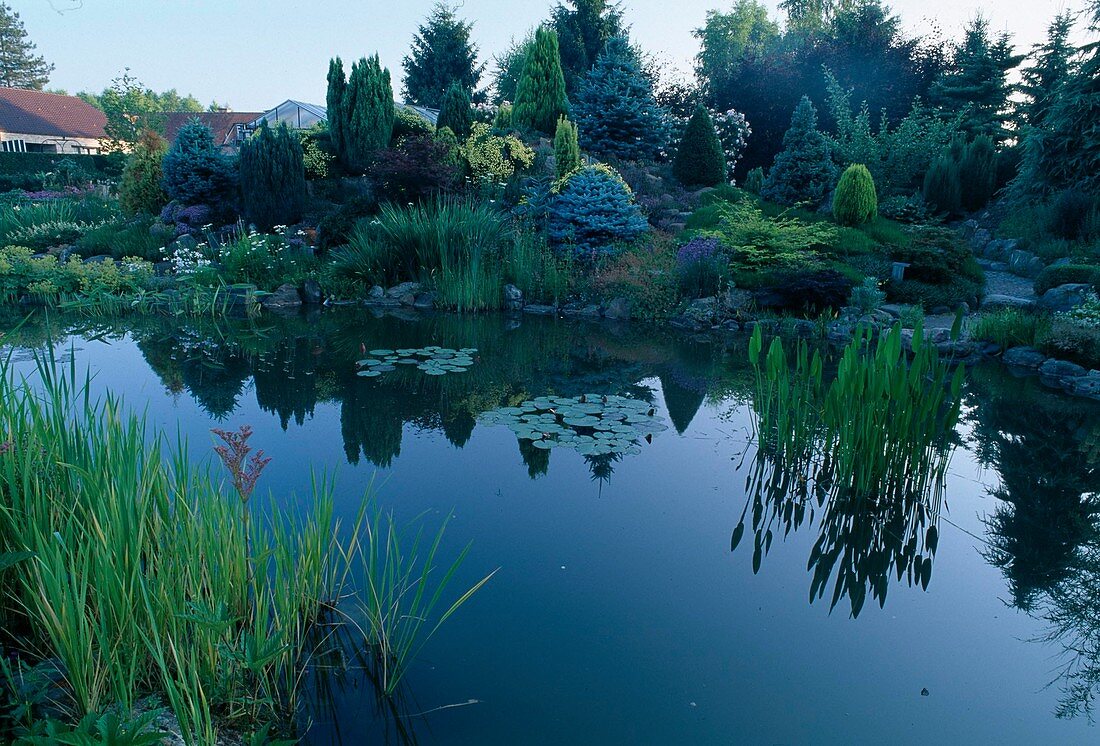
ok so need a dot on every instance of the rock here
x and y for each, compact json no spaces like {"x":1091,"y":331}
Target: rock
{"x":424,"y":301}
{"x":970,"y":227}
{"x":736,"y":300}
{"x":1002,"y":248}
{"x":893,"y":309}
{"x":703,"y":310}
{"x":1065,"y":297}
{"x":1061,"y":262}
{"x":803,"y":328}
{"x":186,"y":242}
{"x":1024,"y":357}
{"x":376,"y":292}
{"x":998,"y":301}
{"x":590,"y":311}
{"x":991,"y":265}
{"x":403,"y":290}
{"x":619,"y":309}
{"x":1061,"y":370}
{"x":539,"y":310}
{"x":980,"y":240}
{"x":956,"y":348}
{"x":99,"y":259}
{"x":941,"y":310}
{"x":513,"y":298}
{"x":1025,"y":264}
{"x":285,"y":296}
{"x":311,"y":293}
{"x":1087,"y":385}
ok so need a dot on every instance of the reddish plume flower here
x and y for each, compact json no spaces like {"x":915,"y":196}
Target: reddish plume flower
{"x":244,"y":471}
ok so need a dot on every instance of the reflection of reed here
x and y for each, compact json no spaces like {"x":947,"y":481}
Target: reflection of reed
{"x":868,"y":451}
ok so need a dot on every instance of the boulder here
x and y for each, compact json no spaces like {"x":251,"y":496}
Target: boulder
{"x":618,"y":309}
{"x":424,"y":301}
{"x":1087,"y":385}
{"x":1025,"y":264}
{"x":1061,"y":370}
{"x":311,"y":293}
{"x":703,"y":310}
{"x":376,"y":292}
{"x":591,"y":311}
{"x":980,"y":240}
{"x":736,"y":300}
{"x":403,"y":290}
{"x":997,"y":301}
{"x":540,"y":310}
{"x":99,"y":259}
{"x":513,"y":298}
{"x":1065,"y":297}
{"x":1024,"y":357}
{"x":285,"y":296}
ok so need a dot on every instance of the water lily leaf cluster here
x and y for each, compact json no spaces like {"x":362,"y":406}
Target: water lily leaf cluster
{"x":591,"y":424}
{"x":433,"y":361}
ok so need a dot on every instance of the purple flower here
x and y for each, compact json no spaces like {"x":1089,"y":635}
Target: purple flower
{"x":699,"y":249}
{"x":195,"y":216}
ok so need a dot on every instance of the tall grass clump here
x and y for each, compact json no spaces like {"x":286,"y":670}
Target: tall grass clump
{"x":1012,"y":327}
{"x":867,"y":450}
{"x":455,"y":244}
{"x":136,"y":574}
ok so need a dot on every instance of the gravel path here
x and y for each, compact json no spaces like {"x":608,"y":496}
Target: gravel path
{"x":1006,"y":283}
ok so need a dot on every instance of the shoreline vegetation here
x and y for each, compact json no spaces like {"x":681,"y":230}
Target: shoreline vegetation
{"x":142,"y":590}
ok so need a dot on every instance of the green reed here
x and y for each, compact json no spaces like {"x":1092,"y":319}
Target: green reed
{"x":132,"y":569}
{"x":868,"y":449}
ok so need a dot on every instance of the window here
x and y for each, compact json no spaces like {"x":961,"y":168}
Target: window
{"x":13,"y":146}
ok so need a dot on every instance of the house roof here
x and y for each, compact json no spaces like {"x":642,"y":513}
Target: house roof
{"x":316,"y":110}
{"x":49,"y":114}
{"x":222,"y":123}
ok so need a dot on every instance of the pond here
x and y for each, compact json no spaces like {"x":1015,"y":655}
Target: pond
{"x":619,"y":612}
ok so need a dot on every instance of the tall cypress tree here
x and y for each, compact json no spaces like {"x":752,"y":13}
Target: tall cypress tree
{"x":567,"y":149}
{"x":20,"y":67}
{"x":368,"y":101}
{"x":803,"y":172}
{"x":977,"y":81}
{"x":442,"y":53}
{"x":335,"y":104}
{"x":273,"y":177}
{"x":540,"y":97}
{"x":615,"y":107}
{"x":455,"y":112}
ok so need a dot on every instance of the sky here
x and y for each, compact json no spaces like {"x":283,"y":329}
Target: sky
{"x":254,"y":54}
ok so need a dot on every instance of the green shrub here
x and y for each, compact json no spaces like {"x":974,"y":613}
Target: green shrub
{"x":855,"y":201}
{"x":135,"y":237}
{"x":502,"y":120}
{"x":942,"y":186}
{"x":700,"y":160}
{"x":754,"y":180}
{"x":567,"y":151}
{"x":1072,"y":213}
{"x":593,"y":211}
{"x":455,"y":112}
{"x":937,"y":255}
{"x":366,"y":114}
{"x":264,"y":260}
{"x":978,"y":173}
{"x":47,"y":279}
{"x":1075,"y":334}
{"x":336,"y":228}
{"x":492,"y":160}
{"x":140,"y":190}
{"x":1011,"y":327}
{"x":803,"y":172}
{"x":273,"y":177}
{"x":407,"y":122}
{"x":1063,"y":274}
{"x":935,"y":295}
{"x":867,"y":297}
{"x":645,"y":275}
{"x":757,"y":242}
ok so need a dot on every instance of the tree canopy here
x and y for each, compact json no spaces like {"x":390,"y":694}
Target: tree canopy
{"x":20,"y":67}
{"x":442,"y":54}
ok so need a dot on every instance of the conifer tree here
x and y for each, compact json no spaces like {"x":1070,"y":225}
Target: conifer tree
{"x":455,"y":112}
{"x":1051,"y":66}
{"x":442,"y":53}
{"x":700,"y":160}
{"x":978,"y":173}
{"x":196,"y":172}
{"x":20,"y":67}
{"x":140,"y":189}
{"x":803,"y":173}
{"x":368,"y":102}
{"x":540,"y":96}
{"x":273,"y":177}
{"x":567,"y":150}
{"x":942,"y":186}
{"x":977,"y":82}
{"x":615,"y":107}
{"x":584,"y":27}
{"x":335,"y":103}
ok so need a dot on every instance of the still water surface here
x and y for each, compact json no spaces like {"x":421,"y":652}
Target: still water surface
{"x":619,"y":613}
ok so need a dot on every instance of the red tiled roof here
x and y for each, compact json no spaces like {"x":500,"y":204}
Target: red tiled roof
{"x":51,"y":114}
{"x":221,"y":123}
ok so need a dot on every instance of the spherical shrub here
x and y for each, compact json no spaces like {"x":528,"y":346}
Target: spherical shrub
{"x":593,"y":210}
{"x":855,"y":200}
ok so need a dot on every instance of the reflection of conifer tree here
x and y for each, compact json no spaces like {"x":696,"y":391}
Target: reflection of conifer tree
{"x":370,"y":427}
{"x":602,"y":466}
{"x":286,"y":383}
{"x":536,"y":459}
{"x":458,"y":426}
{"x":1049,"y":504}
{"x":682,"y":401}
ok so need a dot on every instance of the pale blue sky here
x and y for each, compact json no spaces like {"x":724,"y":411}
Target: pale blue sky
{"x":254,"y":54}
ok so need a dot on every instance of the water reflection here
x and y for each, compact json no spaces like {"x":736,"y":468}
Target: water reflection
{"x":1045,"y":532}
